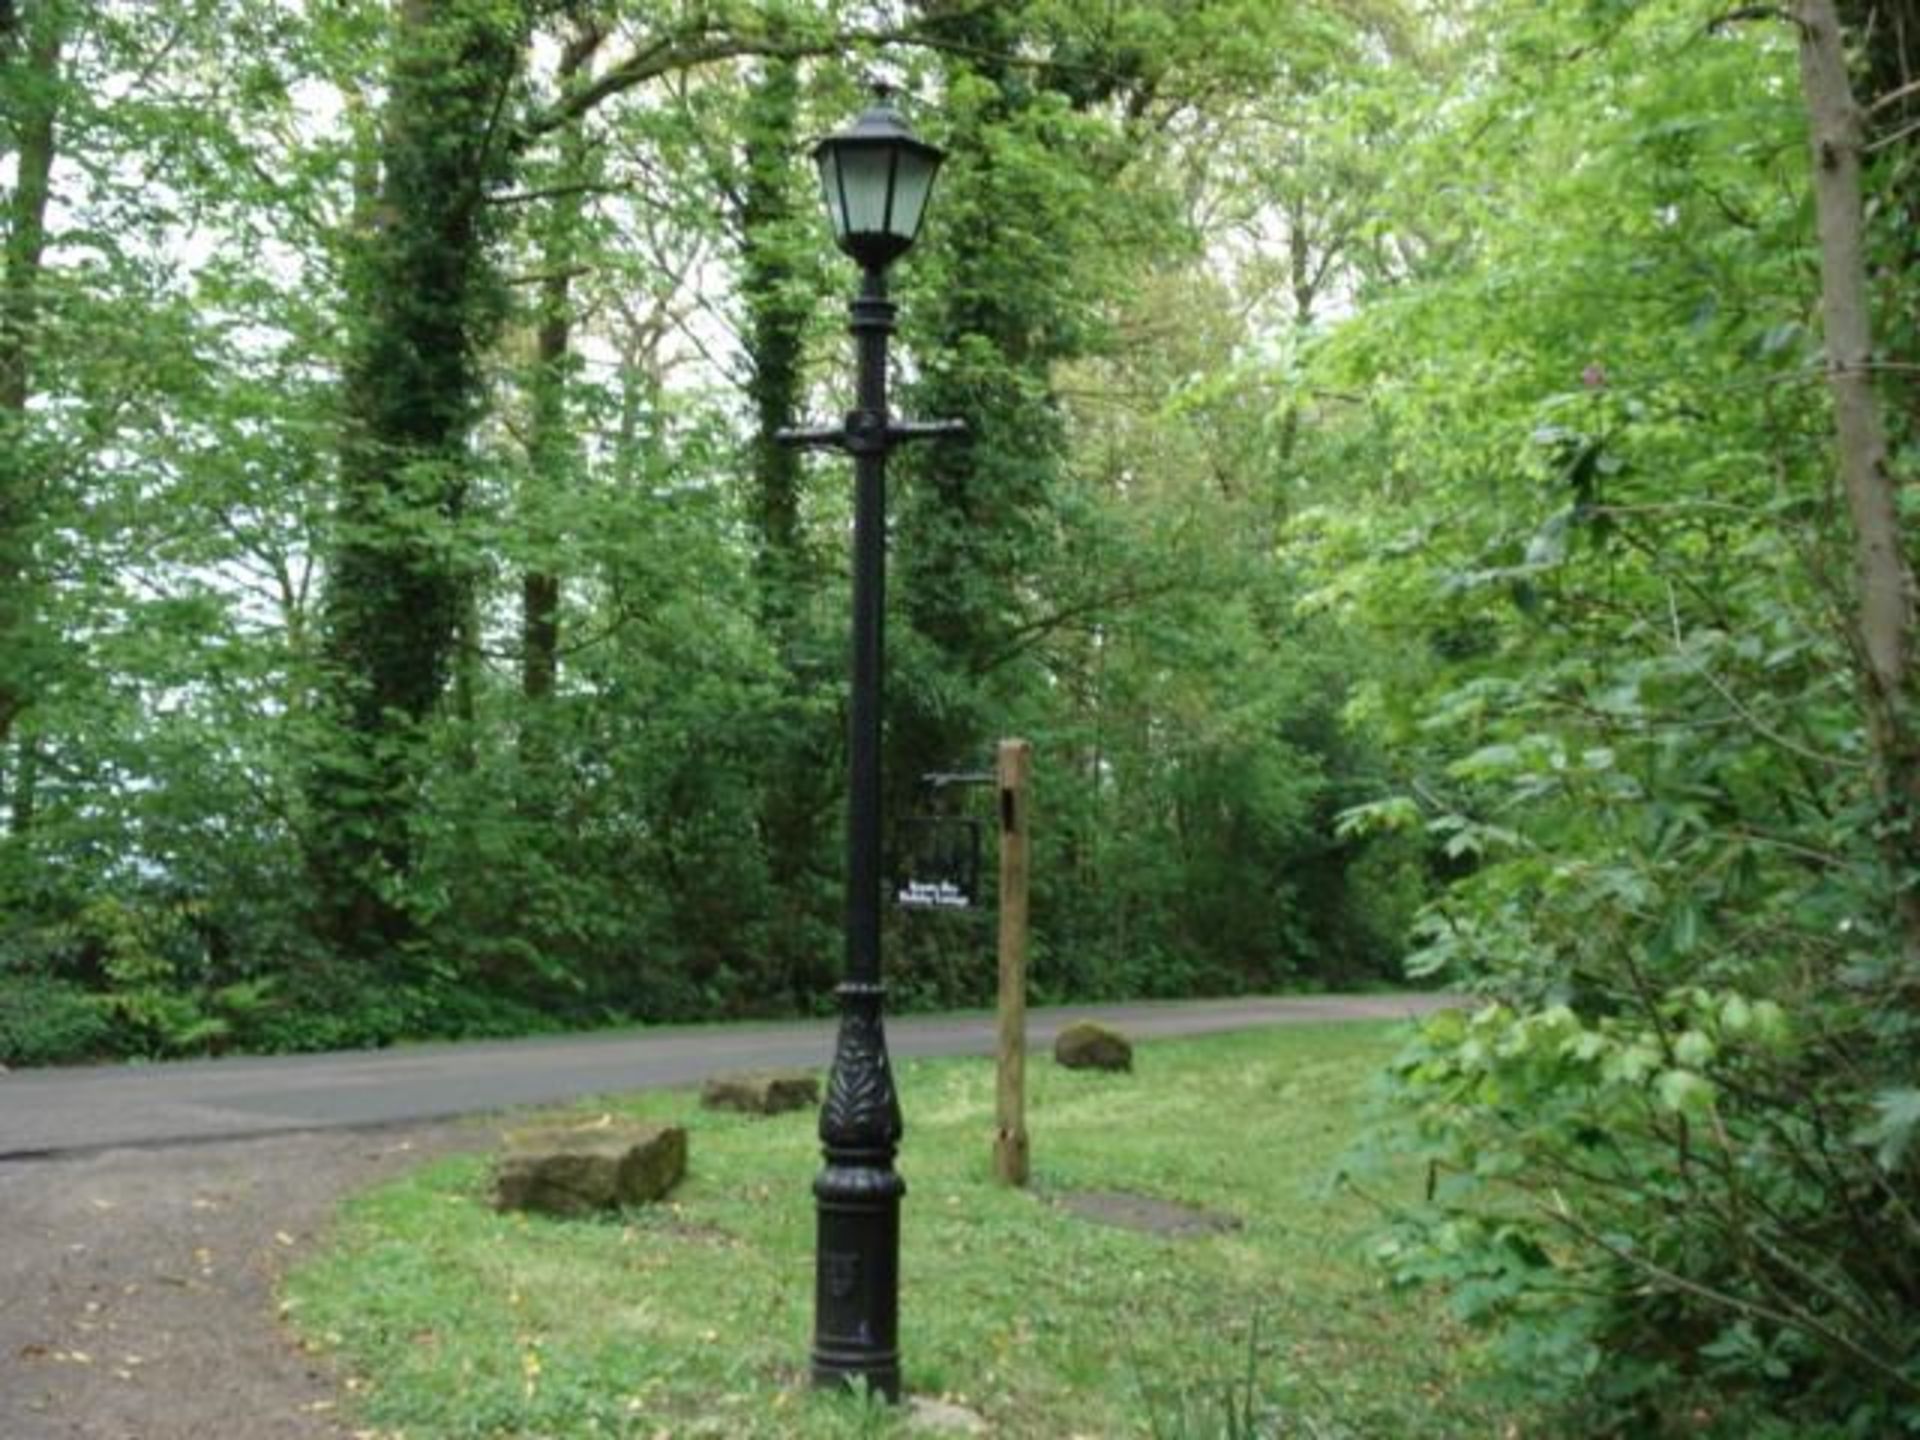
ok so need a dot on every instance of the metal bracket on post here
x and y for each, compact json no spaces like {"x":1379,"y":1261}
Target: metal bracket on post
{"x":814,"y":439}
{"x":907,"y":430}
{"x":840,"y":437}
{"x":940,"y":779}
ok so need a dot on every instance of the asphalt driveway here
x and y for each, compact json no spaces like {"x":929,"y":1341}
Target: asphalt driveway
{"x":51,"y":1112}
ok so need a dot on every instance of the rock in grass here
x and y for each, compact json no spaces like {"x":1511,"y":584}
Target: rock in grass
{"x":942,"y":1417}
{"x":762,"y":1092}
{"x":584,"y":1169}
{"x":1085,"y":1045}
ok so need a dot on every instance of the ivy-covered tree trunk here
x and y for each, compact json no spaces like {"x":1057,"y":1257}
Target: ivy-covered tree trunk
{"x":1016,"y":213}
{"x":30,"y":45}
{"x":422,"y":304}
{"x":970,"y":514}
{"x":777,"y":309}
{"x":778,"y":283}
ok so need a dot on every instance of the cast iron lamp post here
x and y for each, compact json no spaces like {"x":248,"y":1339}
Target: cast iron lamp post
{"x":875,"y":178}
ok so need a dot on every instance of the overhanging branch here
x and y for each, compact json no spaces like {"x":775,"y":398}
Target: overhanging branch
{"x":703,"y":43}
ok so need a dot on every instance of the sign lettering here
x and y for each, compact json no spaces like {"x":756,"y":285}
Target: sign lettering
{"x":932,"y":895}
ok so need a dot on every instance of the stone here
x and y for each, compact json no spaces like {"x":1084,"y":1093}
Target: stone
{"x":585,"y":1169}
{"x":943,"y":1417}
{"x":762,"y":1092}
{"x":1085,"y":1045}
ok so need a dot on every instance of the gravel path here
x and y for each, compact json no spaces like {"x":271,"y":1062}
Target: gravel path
{"x":137,"y":1286}
{"x":140,"y":1256}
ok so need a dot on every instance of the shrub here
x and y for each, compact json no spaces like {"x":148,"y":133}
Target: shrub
{"x":49,"y":1022}
{"x":1694,"y":1217}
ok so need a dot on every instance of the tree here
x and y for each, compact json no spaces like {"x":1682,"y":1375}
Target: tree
{"x":780,"y":290}
{"x":424,"y":299}
{"x":417,"y":630}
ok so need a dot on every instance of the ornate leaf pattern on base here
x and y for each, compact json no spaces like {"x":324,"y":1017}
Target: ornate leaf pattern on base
{"x":862,"y":1109}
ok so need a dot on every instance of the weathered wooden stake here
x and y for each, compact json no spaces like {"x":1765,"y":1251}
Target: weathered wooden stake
{"x":1010,"y":1098}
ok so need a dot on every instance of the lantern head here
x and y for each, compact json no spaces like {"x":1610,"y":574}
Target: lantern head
{"x":875,"y":177}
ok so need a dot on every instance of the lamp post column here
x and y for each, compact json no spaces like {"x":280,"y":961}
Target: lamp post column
{"x":857,"y":1194}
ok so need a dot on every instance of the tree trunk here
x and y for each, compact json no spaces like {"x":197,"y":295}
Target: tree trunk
{"x":30,"y":57}
{"x":550,"y":444}
{"x":423,"y":303}
{"x":1884,"y":600}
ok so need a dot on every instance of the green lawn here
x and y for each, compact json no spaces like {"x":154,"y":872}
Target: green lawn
{"x":693,"y":1319}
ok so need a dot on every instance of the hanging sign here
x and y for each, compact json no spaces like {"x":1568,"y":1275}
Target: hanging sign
{"x":940,"y":863}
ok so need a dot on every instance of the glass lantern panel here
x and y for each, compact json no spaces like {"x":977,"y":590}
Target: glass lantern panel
{"x":864,"y":179}
{"x":913,"y":179}
{"x":827,"y":158}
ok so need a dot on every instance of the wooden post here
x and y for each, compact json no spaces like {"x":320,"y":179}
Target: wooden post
{"x":1015,"y":770}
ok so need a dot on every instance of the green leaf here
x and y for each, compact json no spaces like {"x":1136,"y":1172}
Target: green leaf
{"x":1891,"y":1131}
{"x":1693,"y":1049}
{"x":1685,"y":1092}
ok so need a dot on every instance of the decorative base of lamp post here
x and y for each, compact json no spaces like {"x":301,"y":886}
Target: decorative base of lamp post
{"x":857,"y":1198}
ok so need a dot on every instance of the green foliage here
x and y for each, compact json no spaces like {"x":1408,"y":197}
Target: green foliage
{"x":424,"y":301}
{"x":1600,"y":514}
{"x":153,"y":965}
{"x":1667,"y":1243}
{"x":49,"y":1022}
{"x":146,"y":973}
{"x":1095,"y":568}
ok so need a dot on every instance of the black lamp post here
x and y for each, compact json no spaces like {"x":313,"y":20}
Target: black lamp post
{"x":875,"y":178}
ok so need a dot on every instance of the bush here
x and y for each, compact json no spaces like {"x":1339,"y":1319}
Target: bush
{"x":334,"y":1007}
{"x":1677,"y":1220}
{"x":49,"y":1022}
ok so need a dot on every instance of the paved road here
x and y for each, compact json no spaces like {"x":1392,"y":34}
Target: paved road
{"x":52,"y":1112}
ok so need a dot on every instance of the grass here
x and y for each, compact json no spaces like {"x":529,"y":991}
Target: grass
{"x":693,"y":1319}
